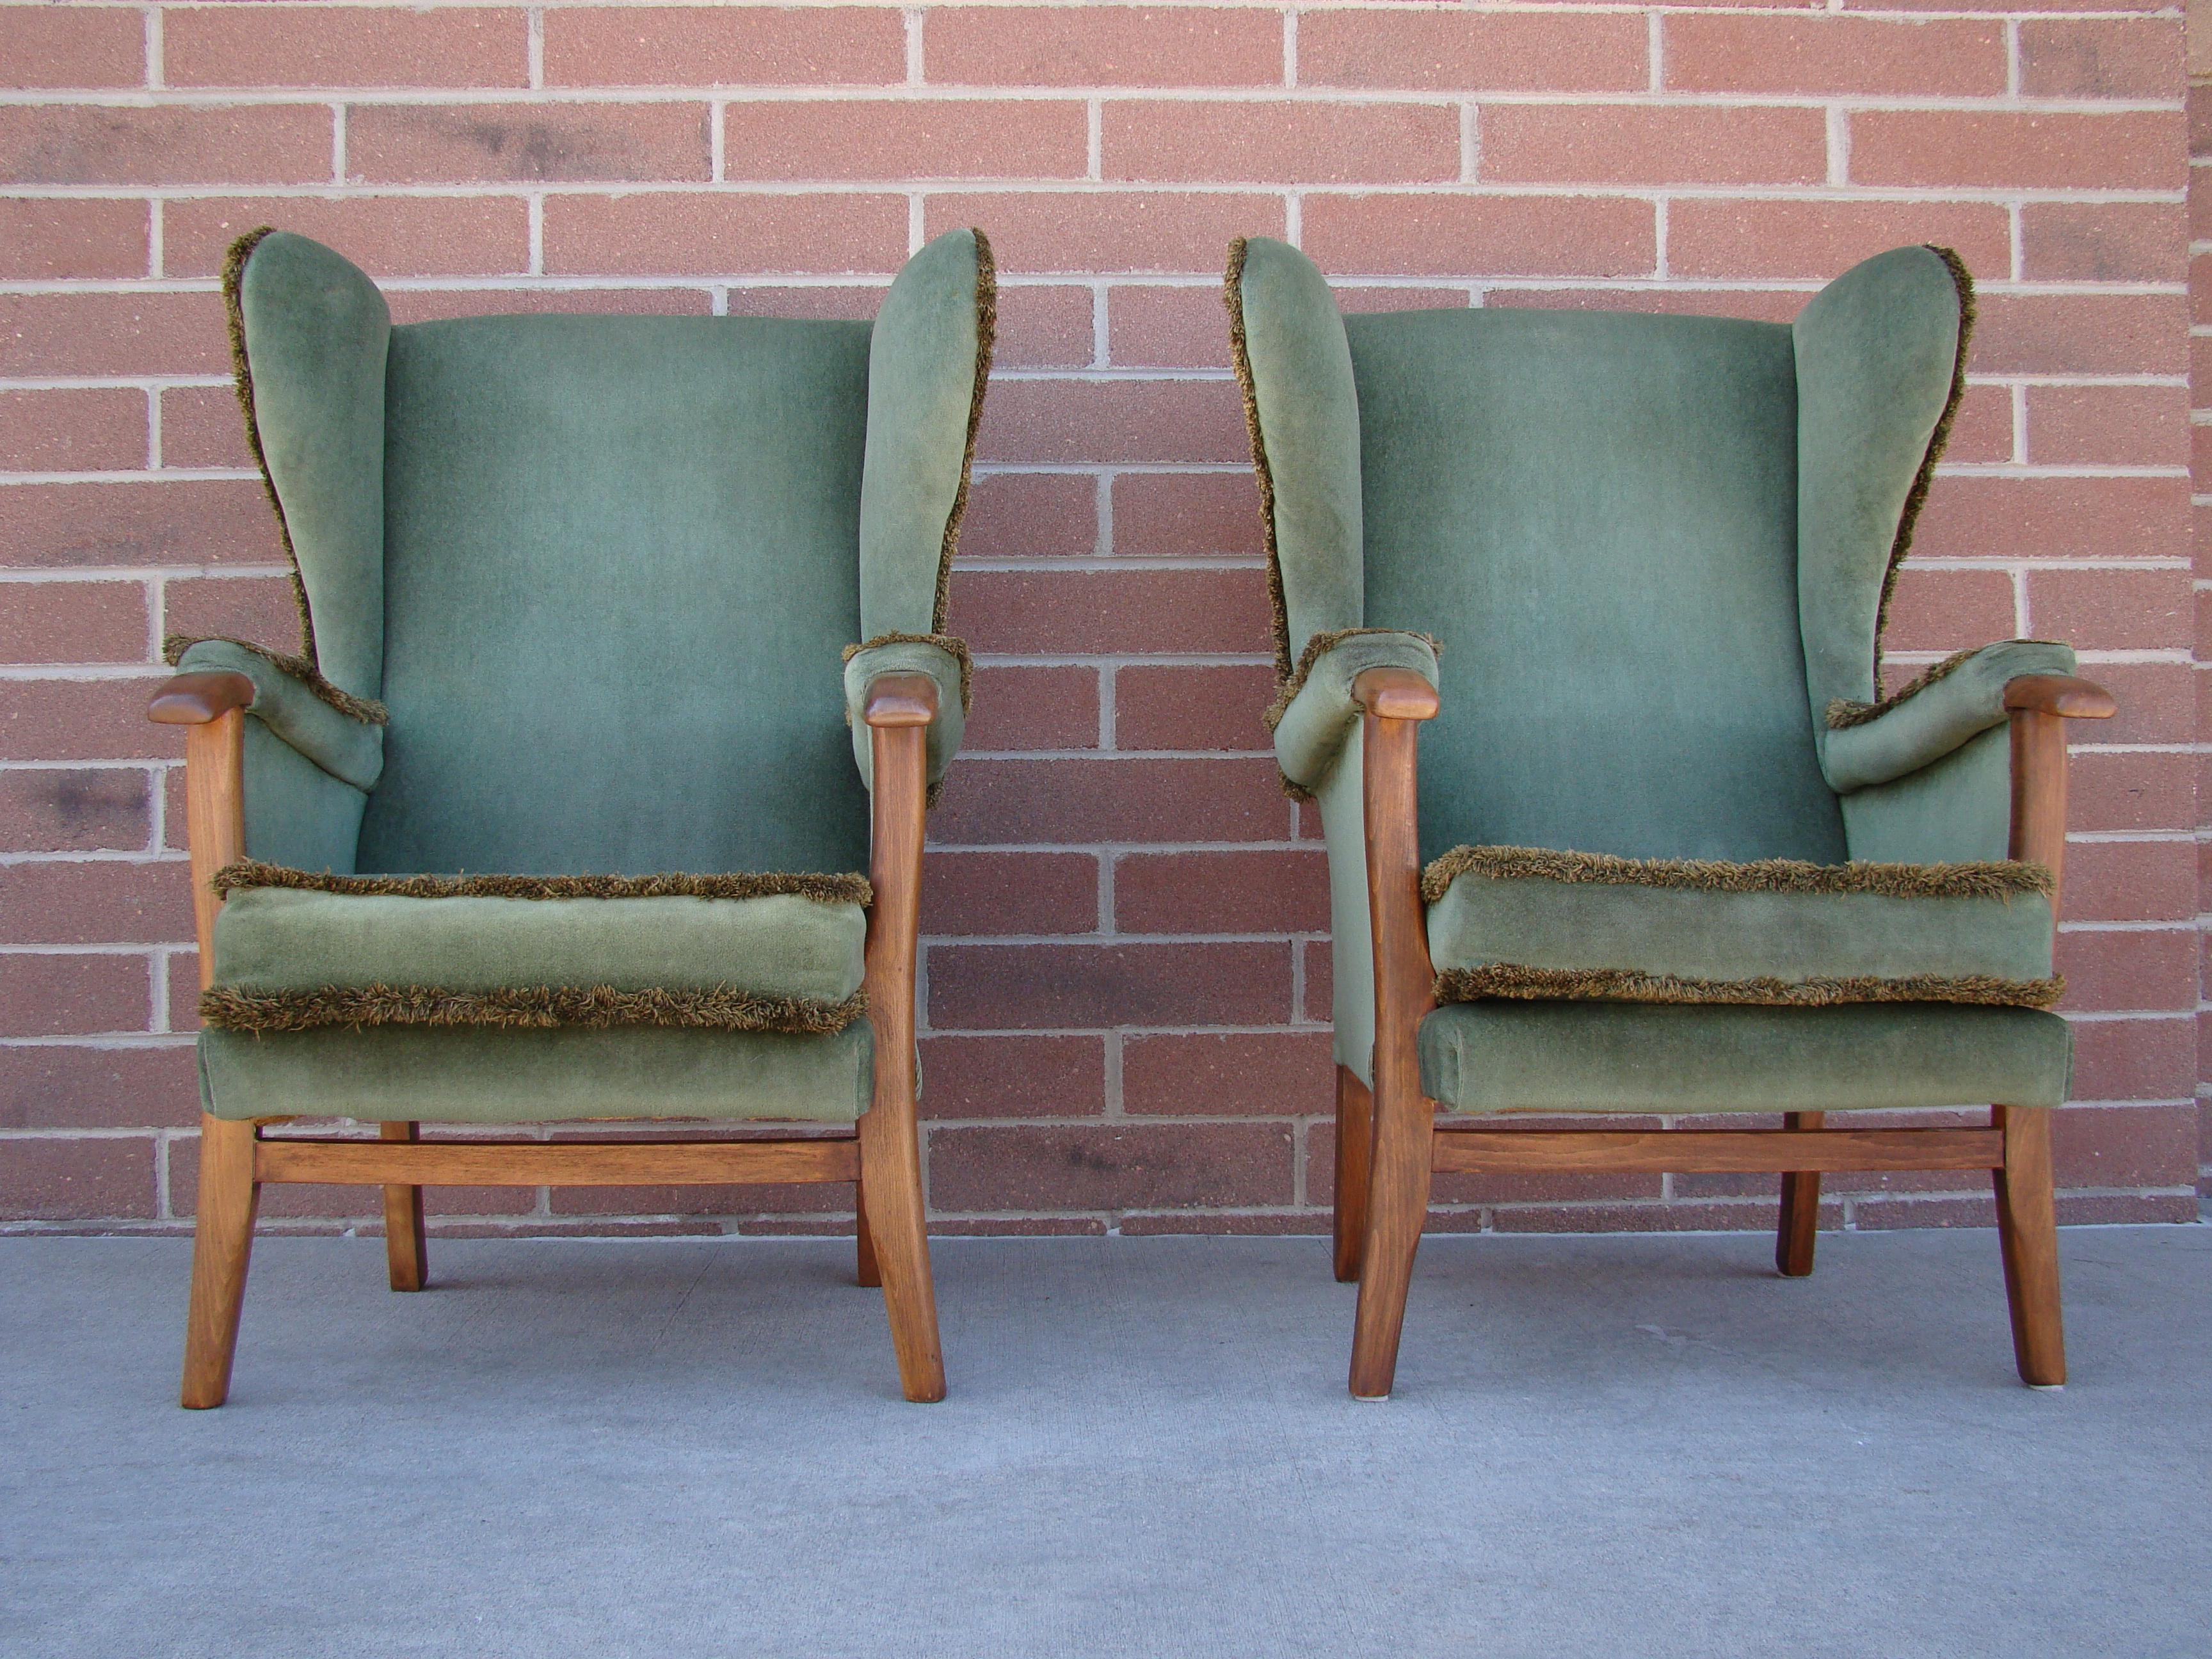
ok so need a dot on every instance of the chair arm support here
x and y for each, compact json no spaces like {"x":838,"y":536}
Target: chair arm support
{"x":1396,"y":702}
{"x":1862,"y":744}
{"x":2061,"y":695}
{"x":211,"y":707}
{"x":1313,"y":725}
{"x":901,"y":700}
{"x":340,"y":741}
{"x":1395,"y":694}
{"x":2038,"y":706}
{"x":895,"y":668}
{"x":196,"y":698}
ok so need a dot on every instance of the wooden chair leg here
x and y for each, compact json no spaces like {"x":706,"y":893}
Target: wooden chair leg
{"x":1801,"y":1207}
{"x":223,"y":1243}
{"x":406,"y":1250}
{"x":869,"y":1274}
{"x":1397,"y":1208}
{"x":2027,"y":1231}
{"x":1355,"y":1155}
{"x":890,"y":1154}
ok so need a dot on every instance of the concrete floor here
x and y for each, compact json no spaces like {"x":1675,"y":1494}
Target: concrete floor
{"x":1621,"y":1446}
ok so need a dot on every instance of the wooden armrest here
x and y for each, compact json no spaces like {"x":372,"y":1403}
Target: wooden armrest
{"x":901,"y":699}
{"x":1395,"y":694}
{"x":2061,"y":695}
{"x":196,"y":699}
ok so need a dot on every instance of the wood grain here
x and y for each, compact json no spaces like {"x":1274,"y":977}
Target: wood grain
{"x":1710,"y":1152}
{"x":1355,"y":1152}
{"x":555,"y":1163}
{"x":1800,"y":1225}
{"x":406,"y":1249}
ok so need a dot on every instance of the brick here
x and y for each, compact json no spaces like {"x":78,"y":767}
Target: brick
{"x":1032,"y":987}
{"x":54,"y":1087}
{"x":2107,"y":425}
{"x":1240,"y":1074}
{"x":1291,"y":143}
{"x":257,"y":608}
{"x":1435,"y":51}
{"x":1100,"y":46}
{"x":107,"y":144}
{"x":42,"y":237}
{"x":87,"y":429}
{"x":385,"y":235}
{"x":1272,"y":892}
{"x":931,"y":138}
{"x":1032,"y":422}
{"x":1980,"y":1211}
{"x":1032,"y":516}
{"x":859,"y":303}
{"x":1822,"y":239}
{"x":1320,"y":972}
{"x":428,"y":304}
{"x":184,"y":1008}
{"x":2025,"y":151}
{"x":2130,"y":792}
{"x":1750,"y":305}
{"x":1981,"y":431}
{"x":1651,"y":144}
{"x":69,"y":993}
{"x":2155,"y":698}
{"x":2112,"y":609}
{"x":1189,"y":708}
{"x":1187,"y":515}
{"x":2133,"y":1059}
{"x":1012,"y":1076}
{"x":1471,"y":236}
{"x":1984,"y":517}
{"x":1033,"y":708}
{"x":1009,"y":893}
{"x":1096,"y":1167}
{"x":2130,"y":881}
{"x":58,"y":810}
{"x":1166,"y":328}
{"x":1111,"y":231}
{"x":73,"y":621}
{"x":1832,"y":56}
{"x":737,"y":46}
{"x":82,"y":720}
{"x":189,"y":521}
{"x":2135,"y":57}
{"x":282,"y":46}
{"x":1946,"y":611}
{"x":2129,"y":972}
{"x":679,"y":235}
{"x":109,"y":901}
{"x":2126,"y":1146}
{"x":2080,"y":334}
{"x":567,"y":143}
{"x":202,"y":426}
{"x":1029,"y":802}
{"x":1714,"y":1216}
{"x":1042,"y":327}
{"x":76,"y":1180}
{"x":1235,"y":1224}
{"x":72,"y":46}
{"x":2101,"y":242}
{"x":135,"y":334}
{"x":1091,"y":612}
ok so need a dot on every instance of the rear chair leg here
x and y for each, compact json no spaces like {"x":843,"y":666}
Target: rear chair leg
{"x":867,"y":1273}
{"x":1397,"y":1209}
{"x":222,"y":1241}
{"x":2028,"y":1230}
{"x":1355,"y":1148}
{"x":406,"y":1250}
{"x":1801,"y":1207}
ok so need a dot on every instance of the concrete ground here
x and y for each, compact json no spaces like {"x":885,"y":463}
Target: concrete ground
{"x":1614,"y":1446}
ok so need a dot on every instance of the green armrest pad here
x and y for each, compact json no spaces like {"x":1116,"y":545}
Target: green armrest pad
{"x":945,"y":662}
{"x":348,"y":749}
{"x":1320,"y":716}
{"x":1957,"y":699}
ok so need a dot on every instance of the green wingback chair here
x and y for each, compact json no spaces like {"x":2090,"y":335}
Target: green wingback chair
{"x":1671,"y":851}
{"x":562,"y":810}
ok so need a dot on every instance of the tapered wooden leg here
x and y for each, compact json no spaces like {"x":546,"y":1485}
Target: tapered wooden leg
{"x":1801,"y":1207}
{"x":1355,"y":1153}
{"x":892,"y":1159}
{"x":222,"y":1241}
{"x":406,"y":1250}
{"x":869,"y":1274}
{"x":2028,"y":1230}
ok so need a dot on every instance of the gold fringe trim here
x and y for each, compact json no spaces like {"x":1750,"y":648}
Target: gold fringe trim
{"x":1318,"y":646}
{"x":1232,"y":296}
{"x":1512,"y":980}
{"x":367,"y":710}
{"x":234,"y":277}
{"x":987,"y":330}
{"x":951,"y":643}
{"x":823,"y":888}
{"x":1843,"y":713}
{"x":1996,"y":878}
{"x":1923,"y":480}
{"x":522,"y":1007}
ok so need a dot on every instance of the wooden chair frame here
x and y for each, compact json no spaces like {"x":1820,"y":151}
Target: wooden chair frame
{"x":882,"y":1158}
{"x":1389,"y":1142}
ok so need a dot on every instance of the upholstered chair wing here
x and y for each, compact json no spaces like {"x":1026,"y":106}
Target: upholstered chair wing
{"x":594,"y":787}
{"x":1672,"y":847}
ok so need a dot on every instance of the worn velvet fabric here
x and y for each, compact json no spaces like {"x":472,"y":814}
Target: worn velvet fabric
{"x":1319,"y":718}
{"x":907,"y":656}
{"x":1934,"y":720}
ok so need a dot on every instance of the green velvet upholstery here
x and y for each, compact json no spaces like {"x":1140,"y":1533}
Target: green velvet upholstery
{"x":1311,"y":732}
{"x":908,"y":656}
{"x":600,"y":571}
{"x":1654,"y":549}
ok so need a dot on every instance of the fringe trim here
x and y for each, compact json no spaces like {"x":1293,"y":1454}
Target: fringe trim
{"x":987,"y":330}
{"x":367,"y":710}
{"x":1512,"y":980}
{"x":1916,"y":497}
{"x":1319,"y":645}
{"x":1843,"y":713}
{"x":233,"y":277}
{"x":522,"y":1007}
{"x":822,"y":889}
{"x":1232,"y":296}
{"x":1995,"y":879}
{"x":948,"y":642}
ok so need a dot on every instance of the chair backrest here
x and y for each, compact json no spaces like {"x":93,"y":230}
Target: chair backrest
{"x":616,"y":560}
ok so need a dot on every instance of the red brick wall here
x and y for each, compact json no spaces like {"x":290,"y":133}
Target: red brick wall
{"x":1126,"y":959}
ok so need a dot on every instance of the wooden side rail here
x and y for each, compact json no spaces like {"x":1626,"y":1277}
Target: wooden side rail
{"x":555,"y":1163}
{"x":1474,"y":1150}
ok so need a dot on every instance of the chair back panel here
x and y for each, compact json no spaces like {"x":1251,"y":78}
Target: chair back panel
{"x":621,"y":558}
{"x":1597,"y":514}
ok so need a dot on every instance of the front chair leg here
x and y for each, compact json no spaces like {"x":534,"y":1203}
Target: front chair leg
{"x":891,"y":1155}
{"x":866,"y":1272}
{"x":1355,"y":1147}
{"x":1801,"y":1207}
{"x":406,"y":1250}
{"x":223,"y":1243}
{"x":2027,"y":1232}
{"x":1397,"y":1209}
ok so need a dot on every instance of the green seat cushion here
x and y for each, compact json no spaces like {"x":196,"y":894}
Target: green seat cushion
{"x":1636,"y":1057}
{"x":1524,"y":922}
{"x":450,"y":1074}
